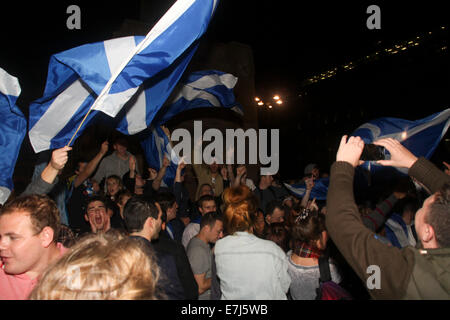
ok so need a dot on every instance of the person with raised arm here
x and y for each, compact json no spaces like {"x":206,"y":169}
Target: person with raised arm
{"x":389,"y":272}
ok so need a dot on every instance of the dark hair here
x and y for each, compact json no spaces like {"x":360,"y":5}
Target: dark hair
{"x":272,"y":205}
{"x":42,"y":210}
{"x":80,"y":160}
{"x":122,"y":194}
{"x":439,"y":216}
{"x":204,"y":198}
{"x":307,"y":229}
{"x":165,"y":200}
{"x":277,"y":233}
{"x":115,"y":177}
{"x":136,"y":211}
{"x":209,"y":219}
{"x":95,"y":198}
{"x":205,"y":184}
{"x":121,"y":141}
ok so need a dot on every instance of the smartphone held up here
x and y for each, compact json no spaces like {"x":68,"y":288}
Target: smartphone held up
{"x":373,"y":152}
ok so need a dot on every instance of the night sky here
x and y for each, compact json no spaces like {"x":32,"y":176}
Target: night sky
{"x":291,"y":42}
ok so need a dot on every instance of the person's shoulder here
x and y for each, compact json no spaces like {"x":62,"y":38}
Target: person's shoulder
{"x":196,"y":244}
{"x":272,"y":247}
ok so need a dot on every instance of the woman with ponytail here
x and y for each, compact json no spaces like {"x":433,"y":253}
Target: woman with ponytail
{"x":249,"y":268}
{"x":308,"y":241}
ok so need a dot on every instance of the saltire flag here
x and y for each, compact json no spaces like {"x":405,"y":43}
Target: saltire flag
{"x":210,"y":88}
{"x":104,"y":76}
{"x":319,"y":191}
{"x":13,"y":127}
{"x":421,"y":137}
{"x":155,"y":147}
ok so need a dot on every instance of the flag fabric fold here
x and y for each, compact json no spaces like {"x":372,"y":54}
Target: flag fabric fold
{"x":13,"y":127}
{"x":319,"y":191}
{"x":421,"y":137}
{"x":201,"y":89}
{"x":104,"y":76}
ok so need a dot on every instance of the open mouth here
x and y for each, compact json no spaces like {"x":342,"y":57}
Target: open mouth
{"x":98,"y":219}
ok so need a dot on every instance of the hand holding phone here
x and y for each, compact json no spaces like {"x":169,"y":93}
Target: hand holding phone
{"x":372,"y":152}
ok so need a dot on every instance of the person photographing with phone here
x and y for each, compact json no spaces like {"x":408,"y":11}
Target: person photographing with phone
{"x":408,"y":273}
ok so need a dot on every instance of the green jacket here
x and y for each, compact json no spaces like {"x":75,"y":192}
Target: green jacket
{"x":407,"y":273}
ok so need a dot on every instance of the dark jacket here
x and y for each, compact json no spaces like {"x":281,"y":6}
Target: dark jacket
{"x":168,"y":282}
{"x":406,"y":273}
{"x":166,"y":245}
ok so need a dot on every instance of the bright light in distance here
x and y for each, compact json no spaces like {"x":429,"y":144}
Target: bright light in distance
{"x":279,"y":101}
{"x":276,"y":97}
{"x":257,"y":99}
{"x":270,"y":106}
{"x":260,"y":103}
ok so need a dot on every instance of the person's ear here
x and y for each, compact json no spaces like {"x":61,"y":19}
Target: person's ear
{"x":428,"y":234}
{"x":46,"y":236}
{"x":86,"y":217}
{"x":149,"y":223}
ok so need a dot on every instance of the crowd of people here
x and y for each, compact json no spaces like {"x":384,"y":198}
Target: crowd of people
{"x":123,"y":233}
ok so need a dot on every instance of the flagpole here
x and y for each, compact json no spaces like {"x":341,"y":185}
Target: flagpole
{"x":76,"y":131}
{"x":177,"y":9}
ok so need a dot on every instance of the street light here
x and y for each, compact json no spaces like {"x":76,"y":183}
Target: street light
{"x":275,"y":99}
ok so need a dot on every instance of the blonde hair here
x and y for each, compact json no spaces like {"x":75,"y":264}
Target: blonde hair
{"x":106,"y":266}
{"x":240,"y":209}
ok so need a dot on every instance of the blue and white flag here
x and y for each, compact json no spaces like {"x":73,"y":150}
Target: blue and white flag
{"x":200,"y":89}
{"x":421,"y":137}
{"x":13,"y":127}
{"x":210,"y":88}
{"x":319,"y":191}
{"x":104,"y":76}
{"x":156,"y":146}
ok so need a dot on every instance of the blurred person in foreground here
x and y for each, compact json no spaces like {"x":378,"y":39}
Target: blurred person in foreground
{"x":102,"y":266}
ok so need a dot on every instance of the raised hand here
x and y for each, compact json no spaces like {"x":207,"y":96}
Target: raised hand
{"x":400,"y":156}
{"x":309,"y":183}
{"x":104,"y":147}
{"x":447,"y":171}
{"x":152,"y":174}
{"x":312,"y":205}
{"x":181,"y":164}
{"x":132,"y":163}
{"x":166,"y":131}
{"x":224,"y":172}
{"x":241,"y":171}
{"x":350,"y":151}
{"x":166,"y":162}
{"x":60,"y":158}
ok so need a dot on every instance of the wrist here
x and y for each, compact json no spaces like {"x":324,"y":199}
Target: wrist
{"x":54,"y":166}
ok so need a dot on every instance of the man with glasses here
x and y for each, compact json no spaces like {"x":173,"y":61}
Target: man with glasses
{"x":29,"y":228}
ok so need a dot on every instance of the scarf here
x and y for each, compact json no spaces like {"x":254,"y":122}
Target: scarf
{"x":307,"y":251}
